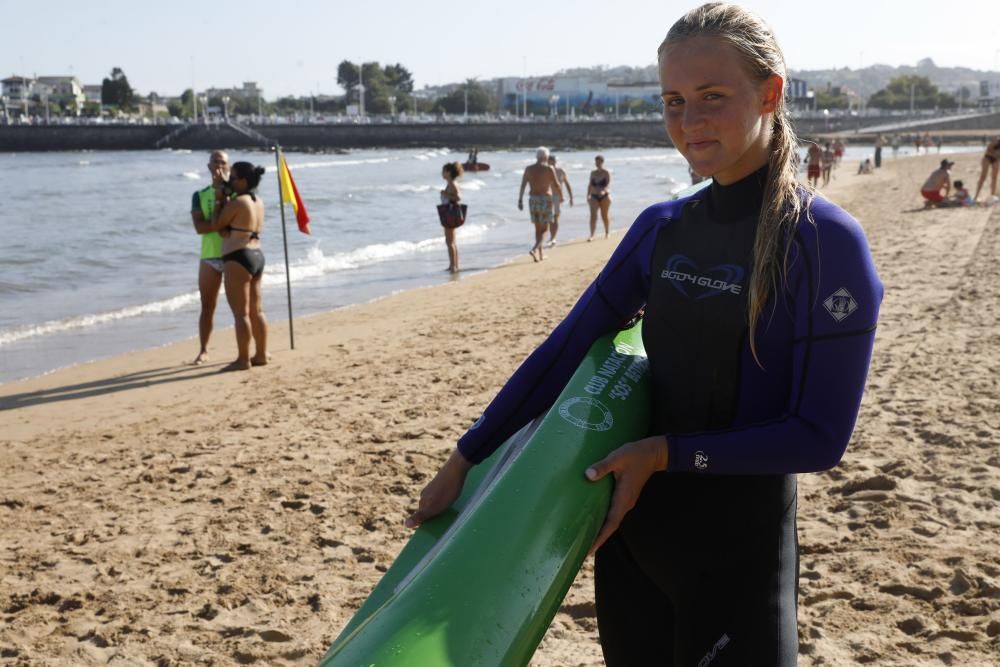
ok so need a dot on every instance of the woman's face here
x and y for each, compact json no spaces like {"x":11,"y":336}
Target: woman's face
{"x":599,"y":162}
{"x":236,"y":183}
{"x":715,"y":114}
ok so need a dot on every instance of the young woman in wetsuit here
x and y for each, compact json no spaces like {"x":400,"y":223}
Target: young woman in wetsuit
{"x":760,"y":301}
{"x":239,"y":221}
{"x":599,"y":197}
{"x":991,"y":165}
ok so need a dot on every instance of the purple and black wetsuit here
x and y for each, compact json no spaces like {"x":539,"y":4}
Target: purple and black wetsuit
{"x":705,"y":567}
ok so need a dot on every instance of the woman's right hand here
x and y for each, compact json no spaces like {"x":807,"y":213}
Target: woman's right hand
{"x":442,"y":491}
{"x":218,"y":178}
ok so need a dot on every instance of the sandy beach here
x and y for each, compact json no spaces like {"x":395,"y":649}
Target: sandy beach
{"x":157,"y":513}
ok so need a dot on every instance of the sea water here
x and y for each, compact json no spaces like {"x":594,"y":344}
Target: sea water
{"x":99,"y":256}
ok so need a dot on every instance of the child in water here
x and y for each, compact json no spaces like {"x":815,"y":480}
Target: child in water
{"x":760,"y":301}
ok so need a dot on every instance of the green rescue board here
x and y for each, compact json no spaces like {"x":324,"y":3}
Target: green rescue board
{"x":479,"y":584}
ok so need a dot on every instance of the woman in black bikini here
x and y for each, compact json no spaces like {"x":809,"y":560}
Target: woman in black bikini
{"x":239,"y":221}
{"x":598,"y":197}
{"x":991,"y":164}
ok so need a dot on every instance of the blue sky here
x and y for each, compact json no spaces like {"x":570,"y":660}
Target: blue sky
{"x":293,"y":47}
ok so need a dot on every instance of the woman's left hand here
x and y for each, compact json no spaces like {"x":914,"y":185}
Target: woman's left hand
{"x":632,"y":464}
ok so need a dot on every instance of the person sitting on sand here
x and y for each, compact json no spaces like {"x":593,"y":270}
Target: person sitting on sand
{"x":544,"y":188}
{"x":239,"y":221}
{"x":938,"y":184}
{"x":960,"y":196}
{"x":865,"y":167}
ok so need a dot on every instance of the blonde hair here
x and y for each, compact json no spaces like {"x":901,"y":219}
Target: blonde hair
{"x":783,"y":204}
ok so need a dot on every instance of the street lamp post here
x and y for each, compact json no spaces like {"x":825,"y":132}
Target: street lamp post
{"x":392,"y":106}
{"x":361,"y":89}
{"x":225,"y":107}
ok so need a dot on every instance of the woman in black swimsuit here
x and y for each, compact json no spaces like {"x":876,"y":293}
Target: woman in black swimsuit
{"x":239,"y":221}
{"x":599,"y":197}
{"x":991,"y":165}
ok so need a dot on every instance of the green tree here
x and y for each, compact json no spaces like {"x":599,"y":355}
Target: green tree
{"x":826,"y":99}
{"x":897,"y":94}
{"x":480,"y":99}
{"x":116,"y":90}
{"x":380,"y":83}
{"x":398,"y":78}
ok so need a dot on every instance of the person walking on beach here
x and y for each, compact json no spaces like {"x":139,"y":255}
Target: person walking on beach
{"x":757,"y":372}
{"x":239,"y":221}
{"x":838,"y":151}
{"x":827,"y":161}
{"x":879,"y":142}
{"x":557,"y":204}
{"x":814,"y":159}
{"x":937,"y":186}
{"x":990,"y":165}
{"x":544,"y":189}
{"x":452,"y":218}
{"x":599,"y":197}
{"x":210,"y":265}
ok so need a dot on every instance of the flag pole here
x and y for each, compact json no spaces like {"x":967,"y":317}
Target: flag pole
{"x":284,"y":240}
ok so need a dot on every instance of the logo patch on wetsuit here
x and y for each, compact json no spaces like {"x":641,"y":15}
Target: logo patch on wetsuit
{"x":700,"y":461}
{"x":696,"y":283}
{"x":711,"y":655}
{"x":588,"y":413}
{"x":840,"y":304}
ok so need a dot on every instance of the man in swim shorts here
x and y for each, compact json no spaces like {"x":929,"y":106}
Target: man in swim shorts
{"x":814,"y":158}
{"x":563,"y":182}
{"x":210,"y":266}
{"x":544,"y":188}
{"x":940,"y":179}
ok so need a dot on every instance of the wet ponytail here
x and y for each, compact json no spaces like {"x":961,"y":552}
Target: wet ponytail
{"x":784,"y":198}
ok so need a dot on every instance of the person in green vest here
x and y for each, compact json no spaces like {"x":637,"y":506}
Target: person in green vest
{"x":210,"y":267}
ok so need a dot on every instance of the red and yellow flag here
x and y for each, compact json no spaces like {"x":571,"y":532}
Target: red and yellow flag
{"x":290,"y":194}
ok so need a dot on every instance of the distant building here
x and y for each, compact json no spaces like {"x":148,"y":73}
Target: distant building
{"x":92,"y":93}
{"x":578,"y":94}
{"x":66,"y":91}
{"x":248,"y":91}
{"x":986,"y":99}
{"x":18,"y":87}
{"x":798,"y":97}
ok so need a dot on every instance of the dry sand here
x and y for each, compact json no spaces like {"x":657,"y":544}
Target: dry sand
{"x":157,"y":513}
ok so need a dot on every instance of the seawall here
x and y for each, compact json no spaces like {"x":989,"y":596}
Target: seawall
{"x":460,"y":136}
{"x":329,"y":137}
